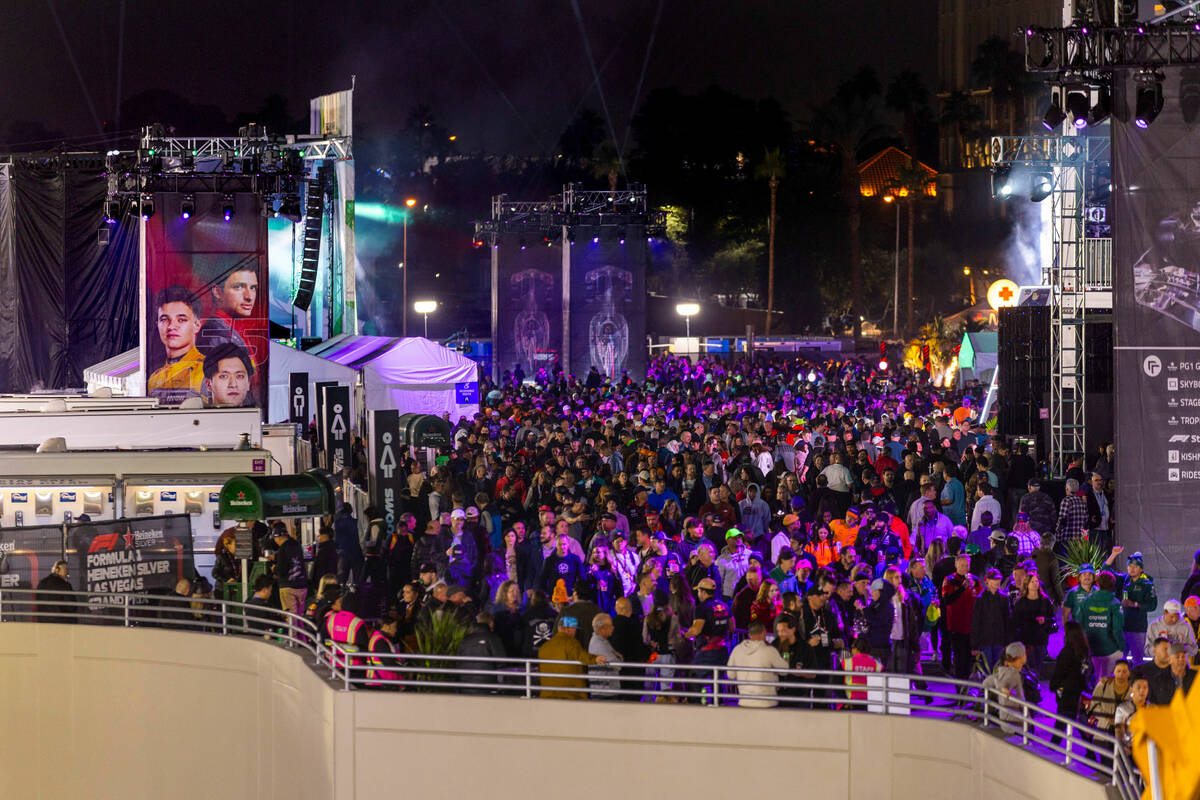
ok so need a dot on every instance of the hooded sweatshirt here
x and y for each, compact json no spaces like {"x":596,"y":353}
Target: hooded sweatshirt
{"x":1179,"y":633}
{"x":755,"y":653}
{"x":1100,"y":615}
{"x":755,"y":513}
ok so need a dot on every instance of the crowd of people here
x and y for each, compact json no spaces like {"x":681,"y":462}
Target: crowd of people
{"x":779,"y":512}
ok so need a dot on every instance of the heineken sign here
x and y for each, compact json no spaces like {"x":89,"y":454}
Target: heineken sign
{"x":262,"y":497}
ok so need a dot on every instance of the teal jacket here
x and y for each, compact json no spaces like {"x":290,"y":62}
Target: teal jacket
{"x":1140,"y":591}
{"x":1099,"y":613}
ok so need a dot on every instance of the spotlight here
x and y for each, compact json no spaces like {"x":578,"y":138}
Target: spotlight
{"x":1040,"y":187}
{"x":1149,"y":101}
{"x":1002,"y":187}
{"x":187,"y":207}
{"x":522,"y":243}
{"x":147,"y":206}
{"x":477,"y":243}
{"x":595,"y":240}
{"x":1054,"y":116}
{"x":621,"y":234}
{"x":1102,"y":109}
{"x":227,"y":207}
{"x":571,"y":237}
{"x":1078,"y":106}
{"x":112,"y":210}
{"x":289,"y":207}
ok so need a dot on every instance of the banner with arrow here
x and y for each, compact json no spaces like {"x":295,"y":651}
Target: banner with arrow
{"x":387,"y":456}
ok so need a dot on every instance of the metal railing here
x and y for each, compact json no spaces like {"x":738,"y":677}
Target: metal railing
{"x":1018,"y":721}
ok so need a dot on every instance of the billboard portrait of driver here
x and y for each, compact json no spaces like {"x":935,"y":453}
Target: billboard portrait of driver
{"x":178,"y":321}
{"x":227,"y":373}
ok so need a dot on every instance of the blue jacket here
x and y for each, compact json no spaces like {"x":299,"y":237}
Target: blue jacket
{"x":345,"y":537}
{"x":879,"y":616}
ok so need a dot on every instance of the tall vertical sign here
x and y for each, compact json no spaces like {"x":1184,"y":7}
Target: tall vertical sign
{"x":336,"y":426}
{"x":298,"y":398}
{"x":1156,"y":282}
{"x":319,"y":389}
{"x":388,"y":481}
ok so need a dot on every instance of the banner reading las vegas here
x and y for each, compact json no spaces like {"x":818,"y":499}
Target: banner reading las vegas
{"x":205,"y":332}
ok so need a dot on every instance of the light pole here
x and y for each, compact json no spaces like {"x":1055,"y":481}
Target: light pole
{"x":896,"y":278}
{"x":409,"y":203}
{"x":970,"y":282}
{"x":687,"y":311}
{"x":425,"y":307}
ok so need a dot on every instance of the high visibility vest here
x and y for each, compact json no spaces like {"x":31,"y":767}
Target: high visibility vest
{"x":379,"y":644}
{"x":343,"y":627}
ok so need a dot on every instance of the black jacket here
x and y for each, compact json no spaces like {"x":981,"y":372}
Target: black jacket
{"x":289,"y":565}
{"x":1163,"y":687}
{"x":1026,"y":628}
{"x":880,"y":615}
{"x":324,"y":562}
{"x":1068,"y":676}
{"x":991,"y":621}
{"x":54,"y":602}
{"x":481,"y":643}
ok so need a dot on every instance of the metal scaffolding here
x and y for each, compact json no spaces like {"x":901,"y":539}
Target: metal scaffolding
{"x":1069,"y":159}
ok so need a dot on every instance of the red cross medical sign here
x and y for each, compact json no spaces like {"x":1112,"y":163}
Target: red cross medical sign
{"x":1002,"y":294}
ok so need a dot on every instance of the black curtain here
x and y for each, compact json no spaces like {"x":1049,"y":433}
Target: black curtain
{"x":66,"y":301}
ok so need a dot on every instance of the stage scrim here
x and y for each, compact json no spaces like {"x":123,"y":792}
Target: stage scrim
{"x":1156,"y":263}
{"x":608,"y":302}
{"x":527,"y":304}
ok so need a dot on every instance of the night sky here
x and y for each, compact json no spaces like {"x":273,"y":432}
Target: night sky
{"x":503,"y":76}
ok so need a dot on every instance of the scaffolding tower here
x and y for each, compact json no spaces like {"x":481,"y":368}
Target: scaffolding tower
{"x":1068,"y":160}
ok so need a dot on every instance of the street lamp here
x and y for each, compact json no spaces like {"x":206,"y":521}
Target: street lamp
{"x":971,"y":282}
{"x":410,"y":202}
{"x":425,"y":307}
{"x":896,"y":276}
{"x":687,"y":311}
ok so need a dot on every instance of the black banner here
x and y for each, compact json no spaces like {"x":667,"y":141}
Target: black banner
{"x":527,"y":293}
{"x":335,"y":423}
{"x":298,"y":398}
{"x":28,"y":554}
{"x":319,"y":389}
{"x":1156,"y":266}
{"x":608,"y":302}
{"x":387,"y":456}
{"x":148,"y":554}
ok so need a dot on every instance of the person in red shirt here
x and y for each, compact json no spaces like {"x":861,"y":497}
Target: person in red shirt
{"x":860,"y":661}
{"x":958,"y":592}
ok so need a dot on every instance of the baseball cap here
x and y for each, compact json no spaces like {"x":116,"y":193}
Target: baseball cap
{"x":731,"y":533}
{"x":1191,"y":602}
{"x":994,"y":574}
{"x":996,"y":536}
{"x":1014,"y":650}
{"x":1172,"y":607}
{"x":706,"y":583}
{"x":1022,"y":516}
{"x":877,"y":585}
{"x":804,"y":564}
{"x":427,"y":566}
{"x":789,"y":520}
{"x":472,"y":512}
{"x":1135,"y":558}
{"x":568,"y":622}
{"x":458,"y":513}
{"x":1089,"y":568}
{"x":454,"y":589}
{"x":1178,"y":647}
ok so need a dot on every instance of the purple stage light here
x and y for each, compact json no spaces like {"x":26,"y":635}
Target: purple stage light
{"x":187,"y":215}
{"x":1083,"y":30}
{"x":228,"y":216}
{"x":1141,"y":123}
{"x":622,"y":241}
{"x":595,"y":240}
{"x":1141,"y":29}
{"x":1029,"y":31}
{"x":1080,"y":123}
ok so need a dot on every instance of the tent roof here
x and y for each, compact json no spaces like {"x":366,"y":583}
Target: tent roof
{"x":113,"y":372}
{"x":353,"y":350}
{"x":416,"y":360}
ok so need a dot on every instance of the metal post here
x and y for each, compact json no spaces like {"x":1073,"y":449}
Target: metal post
{"x":1116,"y":757}
{"x":886,"y":709}
{"x":404,"y":279}
{"x":1025,"y":724}
{"x":224,"y":618}
{"x":125,"y":600}
{"x":528,"y":680}
{"x":1,"y":606}
{"x":896,"y":287}
{"x":1067,"y":736}
{"x":1155,"y":776}
{"x":716,"y":687}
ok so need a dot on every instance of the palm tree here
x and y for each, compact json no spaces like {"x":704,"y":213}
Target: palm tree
{"x":772,"y":168}
{"x":908,"y":95}
{"x":847,"y":122}
{"x":965,"y":116}
{"x":1000,"y":69}
{"x":607,"y":164}
{"x":910,"y":184}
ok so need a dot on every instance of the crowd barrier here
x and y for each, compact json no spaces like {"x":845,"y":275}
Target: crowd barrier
{"x":1019,"y":721}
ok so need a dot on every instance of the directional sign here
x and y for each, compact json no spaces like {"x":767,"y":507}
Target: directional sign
{"x":298,"y":398}
{"x":336,"y":423}
{"x":387,"y":455}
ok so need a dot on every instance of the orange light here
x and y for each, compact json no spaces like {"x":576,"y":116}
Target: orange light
{"x":867,"y":192}
{"x":887,"y":198}
{"x":903,"y":191}
{"x":410,"y":202}
{"x":453,"y":138}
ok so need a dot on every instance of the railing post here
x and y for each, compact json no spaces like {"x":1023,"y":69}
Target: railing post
{"x":346,"y":670}
{"x":716,"y":687}
{"x":1068,"y":735}
{"x":1,"y":606}
{"x":1116,"y":758}
{"x":1024,"y":724}
{"x":125,"y":602}
{"x":528,"y":679}
{"x":224,"y":618}
{"x":886,"y":684}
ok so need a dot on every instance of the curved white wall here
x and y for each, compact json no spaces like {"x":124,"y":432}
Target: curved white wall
{"x":103,"y":712}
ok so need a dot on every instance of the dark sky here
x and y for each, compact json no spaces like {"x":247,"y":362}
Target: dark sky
{"x":501,"y":75}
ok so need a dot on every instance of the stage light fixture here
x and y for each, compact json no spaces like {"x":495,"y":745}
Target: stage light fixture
{"x":289,"y":207}
{"x":1149,"y":101}
{"x":621,"y":234}
{"x":571,"y":237}
{"x":187,"y":207}
{"x":521,"y":242}
{"x":112,"y":210}
{"x":1054,"y":116}
{"x":1101,"y":109}
{"x":595,"y":240}
{"x":1002,"y":187}
{"x":1078,"y":106}
{"x":1040,"y":187}
{"x":147,"y":208}
{"x":227,"y":207}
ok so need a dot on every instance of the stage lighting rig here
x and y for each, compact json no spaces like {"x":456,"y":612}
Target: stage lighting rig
{"x":187,"y":207}
{"x":1078,"y":106}
{"x":1054,"y":117}
{"x":1040,"y":187}
{"x":1149,"y":98}
{"x":227,"y":207}
{"x":289,"y":207}
{"x":147,"y":206}
{"x":112,"y":210}
{"x":1102,"y":107}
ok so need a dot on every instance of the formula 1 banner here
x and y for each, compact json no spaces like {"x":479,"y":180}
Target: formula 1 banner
{"x":205,"y":332}
{"x":389,"y":479}
{"x":608,"y":303}
{"x":28,"y":554}
{"x":1156,"y":282}
{"x":147,"y":554}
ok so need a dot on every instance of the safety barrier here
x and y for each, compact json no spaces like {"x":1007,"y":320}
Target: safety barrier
{"x":711,"y":685}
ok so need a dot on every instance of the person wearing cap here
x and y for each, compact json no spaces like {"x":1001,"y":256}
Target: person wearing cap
{"x":1040,"y":507}
{"x":959,"y":591}
{"x":984,"y":502}
{"x":709,"y":631}
{"x":1007,"y":685}
{"x":557,"y":681}
{"x":733,"y":562}
{"x":991,"y":621}
{"x":1028,"y":539}
{"x":1173,"y":627}
{"x":1179,"y":676}
{"x":880,"y":616}
{"x":661,"y":494}
{"x":1138,"y":597}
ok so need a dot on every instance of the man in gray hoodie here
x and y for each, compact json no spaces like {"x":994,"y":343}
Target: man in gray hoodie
{"x":755,"y":513}
{"x":1174,"y":627}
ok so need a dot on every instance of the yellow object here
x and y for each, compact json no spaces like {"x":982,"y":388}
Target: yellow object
{"x":1174,"y":729}
{"x":1002,"y":294}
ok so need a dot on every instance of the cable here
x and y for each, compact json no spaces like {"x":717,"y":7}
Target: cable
{"x":75,"y":65}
